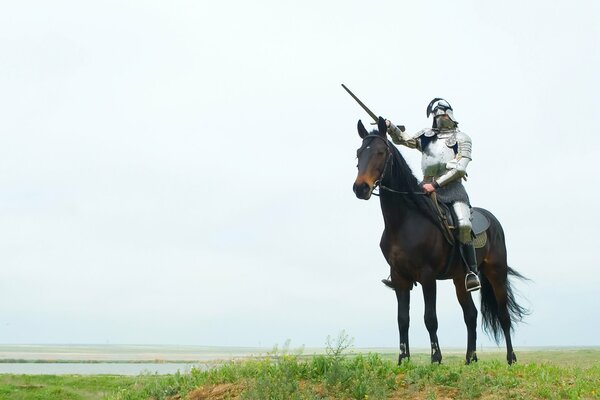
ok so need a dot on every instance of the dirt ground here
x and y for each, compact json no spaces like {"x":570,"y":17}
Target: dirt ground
{"x":216,"y":392}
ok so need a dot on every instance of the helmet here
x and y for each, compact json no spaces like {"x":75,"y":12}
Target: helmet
{"x":439,"y":106}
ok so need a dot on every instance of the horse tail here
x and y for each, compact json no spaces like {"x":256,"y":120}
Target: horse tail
{"x":490,"y":314}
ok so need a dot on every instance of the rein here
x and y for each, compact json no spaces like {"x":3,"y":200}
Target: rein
{"x":387,"y":189}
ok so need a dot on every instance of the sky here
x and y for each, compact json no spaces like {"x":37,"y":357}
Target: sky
{"x":181,"y":172}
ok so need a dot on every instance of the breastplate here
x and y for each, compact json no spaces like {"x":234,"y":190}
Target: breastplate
{"x":436,"y":155}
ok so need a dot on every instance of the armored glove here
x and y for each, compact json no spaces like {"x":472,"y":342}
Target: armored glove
{"x":394,"y":132}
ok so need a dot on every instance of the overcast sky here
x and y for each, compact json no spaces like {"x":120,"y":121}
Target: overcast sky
{"x":181,"y":172}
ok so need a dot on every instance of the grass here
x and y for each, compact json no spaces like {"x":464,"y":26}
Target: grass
{"x":67,"y":387}
{"x":339,"y":374}
{"x":371,"y":377}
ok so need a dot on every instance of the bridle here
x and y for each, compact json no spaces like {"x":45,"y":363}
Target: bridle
{"x":385,"y":168}
{"x":388,"y":157}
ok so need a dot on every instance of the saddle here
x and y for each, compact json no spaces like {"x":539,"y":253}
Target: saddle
{"x":480,"y":223}
{"x":447,"y":218}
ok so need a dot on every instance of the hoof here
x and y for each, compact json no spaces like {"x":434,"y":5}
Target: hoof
{"x":471,"y":358}
{"x":511,"y":358}
{"x":436,"y":358}
{"x":403,"y":357}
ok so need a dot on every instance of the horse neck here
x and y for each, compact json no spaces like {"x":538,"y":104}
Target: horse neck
{"x":398,"y":208}
{"x":394,"y":212}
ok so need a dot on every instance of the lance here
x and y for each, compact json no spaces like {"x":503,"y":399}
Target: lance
{"x":360,"y":103}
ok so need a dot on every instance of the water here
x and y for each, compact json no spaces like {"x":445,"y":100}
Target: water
{"x":114,"y":359}
{"x":96,"y":369}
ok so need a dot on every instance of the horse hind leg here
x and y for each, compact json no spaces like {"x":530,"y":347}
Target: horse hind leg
{"x":470,"y":316}
{"x":505,"y":322}
{"x":431,"y":322}
{"x":496,"y":296}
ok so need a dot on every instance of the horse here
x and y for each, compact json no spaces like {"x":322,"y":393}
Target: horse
{"x":414,"y":246}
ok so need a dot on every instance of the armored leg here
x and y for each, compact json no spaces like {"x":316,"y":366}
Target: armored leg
{"x":463,"y":213}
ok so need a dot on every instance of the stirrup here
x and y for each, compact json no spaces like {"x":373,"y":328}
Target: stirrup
{"x":474,"y":288}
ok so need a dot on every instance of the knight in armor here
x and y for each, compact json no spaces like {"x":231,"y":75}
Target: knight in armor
{"x":446,"y":152}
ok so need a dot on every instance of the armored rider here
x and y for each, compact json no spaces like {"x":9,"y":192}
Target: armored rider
{"x":446,"y":152}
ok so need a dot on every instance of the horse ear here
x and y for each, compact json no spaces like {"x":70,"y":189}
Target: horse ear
{"x":362,"y":131}
{"x":382,"y":127}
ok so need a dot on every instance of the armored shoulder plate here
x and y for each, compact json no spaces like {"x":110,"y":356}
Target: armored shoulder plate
{"x":464,"y":144}
{"x":427,"y":132}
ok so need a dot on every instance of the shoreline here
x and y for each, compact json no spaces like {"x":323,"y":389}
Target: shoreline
{"x":162,"y":354}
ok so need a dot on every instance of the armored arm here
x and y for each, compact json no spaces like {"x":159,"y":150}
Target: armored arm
{"x":400,"y":137}
{"x":457,"y":168}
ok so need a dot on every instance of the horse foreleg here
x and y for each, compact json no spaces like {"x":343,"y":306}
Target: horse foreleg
{"x":470,"y":316}
{"x":431,"y":322}
{"x":403,"y":297}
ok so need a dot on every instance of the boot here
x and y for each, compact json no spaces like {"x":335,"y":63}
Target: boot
{"x":471,"y":280}
{"x":388,"y":282}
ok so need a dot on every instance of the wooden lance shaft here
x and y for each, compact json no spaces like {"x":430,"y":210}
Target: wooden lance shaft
{"x":401,"y":127}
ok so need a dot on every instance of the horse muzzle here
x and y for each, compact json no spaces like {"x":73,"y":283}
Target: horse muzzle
{"x":362,"y":190}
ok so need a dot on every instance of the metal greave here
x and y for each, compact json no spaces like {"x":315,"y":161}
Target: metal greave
{"x":463,"y":214}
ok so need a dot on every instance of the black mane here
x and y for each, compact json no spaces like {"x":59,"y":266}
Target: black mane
{"x":399,"y":177}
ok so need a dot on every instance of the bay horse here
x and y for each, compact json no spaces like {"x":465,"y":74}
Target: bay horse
{"x":414,"y":246}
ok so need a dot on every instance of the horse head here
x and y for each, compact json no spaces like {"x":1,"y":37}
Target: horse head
{"x":373,"y":156}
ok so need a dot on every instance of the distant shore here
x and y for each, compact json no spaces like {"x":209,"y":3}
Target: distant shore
{"x":131,"y":354}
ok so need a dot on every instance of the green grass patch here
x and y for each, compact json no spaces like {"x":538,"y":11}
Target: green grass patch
{"x":371,"y":377}
{"x":338,"y":374}
{"x":67,"y":387}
